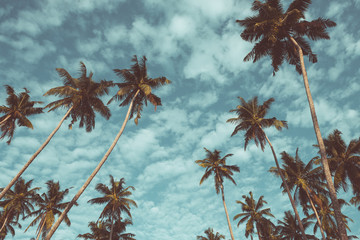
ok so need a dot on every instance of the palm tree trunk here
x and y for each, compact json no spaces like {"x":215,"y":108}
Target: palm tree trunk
{"x":286,"y":188}
{"x":82,"y":189}
{"x":42,"y":226}
{"x":226,"y":212}
{"x":4,"y":120}
{"x":34,"y":156}
{"x":324,"y":161}
{"x":316,"y":214}
{"x":4,"y":224}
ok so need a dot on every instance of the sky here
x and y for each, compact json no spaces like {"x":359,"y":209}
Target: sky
{"x":197,"y":45}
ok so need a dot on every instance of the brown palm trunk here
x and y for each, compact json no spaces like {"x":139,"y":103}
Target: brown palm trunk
{"x":286,"y":188}
{"x":34,"y":156}
{"x":316,"y":214}
{"x":82,"y":189}
{"x":226,"y":212}
{"x":324,"y":161}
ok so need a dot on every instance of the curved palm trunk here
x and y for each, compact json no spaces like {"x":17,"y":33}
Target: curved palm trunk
{"x":226,"y":212}
{"x":324,"y":161}
{"x":4,"y":120}
{"x":286,"y":188}
{"x":82,"y":189}
{"x":34,"y":156}
{"x":316,"y":214}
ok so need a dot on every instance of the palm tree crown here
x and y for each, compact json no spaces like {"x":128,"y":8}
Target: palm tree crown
{"x":273,"y":27}
{"x":115,"y":197}
{"x":210,"y":235}
{"x":139,"y":85}
{"x":216,"y":165}
{"x":344,"y":161}
{"x":251,"y":119}
{"x":17,"y":202}
{"x":82,"y":95}
{"x":18,"y":108}
{"x":252,"y":213}
{"x":49,"y":205}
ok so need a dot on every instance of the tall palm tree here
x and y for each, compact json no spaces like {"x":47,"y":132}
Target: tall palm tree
{"x":344,"y":160}
{"x":304,"y":180}
{"x":252,"y":213}
{"x":82,"y":97}
{"x":251,"y":119}
{"x":210,"y":235}
{"x":280,"y":34}
{"x":289,"y":228}
{"x":49,"y":205}
{"x":116,"y":200}
{"x":18,"y":108}
{"x":216,"y":165}
{"x":326,"y":215}
{"x":17,"y":202}
{"x":100,"y":230}
{"x":136,"y":90}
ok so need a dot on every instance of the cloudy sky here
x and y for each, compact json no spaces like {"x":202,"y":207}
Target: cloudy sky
{"x":195,"y":44}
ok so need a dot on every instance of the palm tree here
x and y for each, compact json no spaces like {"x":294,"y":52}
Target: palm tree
{"x":326,"y":215}
{"x":251,"y":119}
{"x":356,"y":200}
{"x":8,"y":227}
{"x":280,"y":34}
{"x":216,"y":165}
{"x":116,"y":200}
{"x":253,"y":213}
{"x":289,"y":229}
{"x":344,"y":160}
{"x":49,"y":204}
{"x":17,"y":202}
{"x":82,"y":97}
{"x":306,"y":181}
{"x":18,"y":109}
{"x":135,"y":91}
{"x":101,"y":231}
{"x":210,"y":235}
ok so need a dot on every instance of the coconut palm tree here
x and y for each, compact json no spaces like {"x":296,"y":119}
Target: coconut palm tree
{"x":101,"y":230}
{"x":289,"y":229}
{"x":252,"y":213}
{"x":280,"y":34}
{"x":251,"y":119}
{"x":136,"y":90}
{"x":344,"y":160}
{"x":17,"y":202}
{"x":9,"y":227}
{"x":116,"y":200}
{"x":216,"y":165}
{"x":304,"y":180}
{"x":210,"y":235}
{"x":326,"y":215}
{"x":49,"y":205}
{"x":82,"y":97}
{"x":18,"y":108}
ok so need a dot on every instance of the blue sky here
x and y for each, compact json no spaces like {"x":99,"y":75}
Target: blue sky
{"x":195,"y":44}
